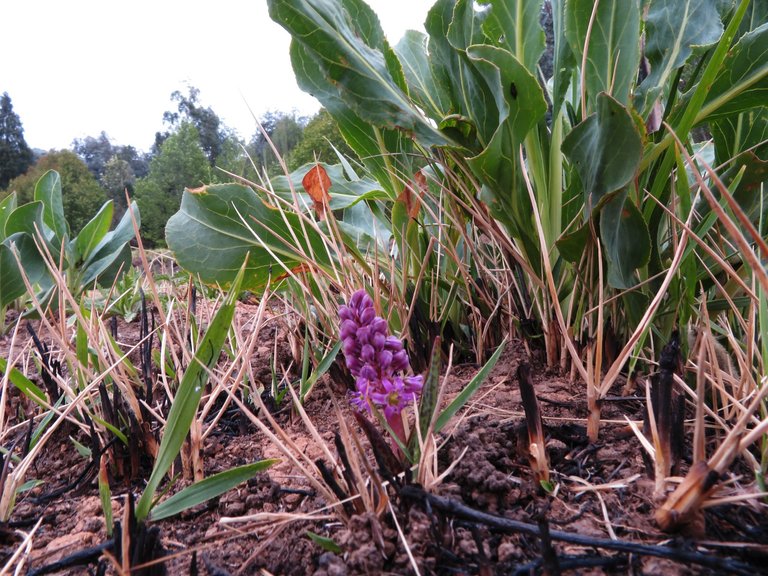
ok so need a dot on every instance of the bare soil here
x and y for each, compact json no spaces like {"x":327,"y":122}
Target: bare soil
{"x":603,"y":492}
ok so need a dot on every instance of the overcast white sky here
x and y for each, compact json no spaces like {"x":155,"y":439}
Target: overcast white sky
{"x":75,"y":68}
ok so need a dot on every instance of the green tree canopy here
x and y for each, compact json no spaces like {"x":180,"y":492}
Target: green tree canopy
{"x":212,"y":133}
{"x":81,"y":194}
{"x":15,"y":155}
{"x":180,"y":163}
{"x":320,"y":136}
{"x":284,"y":130}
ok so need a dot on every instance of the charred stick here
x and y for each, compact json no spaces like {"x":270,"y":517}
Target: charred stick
{"x":334,"y":486}
{"x":79,"y":558}
{"x":537,"y":453}
{"x":459,"y":510}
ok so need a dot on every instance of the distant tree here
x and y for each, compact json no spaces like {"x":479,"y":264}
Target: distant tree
{"x":97,"y":152}
{"x":15,"y":155}
{"x":211,"y":131}
{"x":117,"y":179}
{"x":320,"y":136}
{"x":81,"y":193}
{"x":284,"y":130}
{"x":180,"y":163}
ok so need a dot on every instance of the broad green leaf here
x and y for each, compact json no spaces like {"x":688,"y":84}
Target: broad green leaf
{"x":516,"y":91}
{"x":112,"y":253}
{"x":219,"y":227}
{"x":7,"y":205}
{"x":742,"y":81}
{"x":209,"y":488}
{"x":521,"y":105}
{"x":375,"y":146}
{"x":471,"y":387}
{"x":613,"y":52}
{"x":571,"y":246}
{"x":673,"y":28}
{"x":431,"y":91}
{"x":516,"y":24}
{"x":344,"y":192}
{"x":452,"y":30}
{"x":11,"y":282}
{"x":626,"y":241}
{"x":350,"y":49}
{"x":93,"y":232}
{"x":48,"y":191}
{"x":367,"y":230}
{"x":27,"y":219}
{"x":605,"y":149}
{"x":188,"y":395}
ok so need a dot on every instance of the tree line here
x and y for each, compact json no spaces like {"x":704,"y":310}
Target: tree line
{"x":195,"y":148}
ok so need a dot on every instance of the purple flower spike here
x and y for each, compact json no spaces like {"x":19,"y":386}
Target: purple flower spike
{"x":376,"y":360}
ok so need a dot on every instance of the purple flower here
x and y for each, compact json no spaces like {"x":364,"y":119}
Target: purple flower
{"x":376,"y":360}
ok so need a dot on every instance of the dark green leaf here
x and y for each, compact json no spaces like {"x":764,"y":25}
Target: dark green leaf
{"x":350,"y":49}
{"x":209,"y":488}
{"x":626,"y":240}
{"x":93,"y":232}
{"x":48,"y":191}
{"x":221,"y":226}
{"x":605,"y":149}
{"x":613,"y":53}
{"x":673,"y":29}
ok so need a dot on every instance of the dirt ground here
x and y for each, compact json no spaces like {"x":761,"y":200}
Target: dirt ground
{"x":602,"y":492}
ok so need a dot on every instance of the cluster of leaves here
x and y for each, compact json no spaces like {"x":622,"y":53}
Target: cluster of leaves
{"x":38,"y":249}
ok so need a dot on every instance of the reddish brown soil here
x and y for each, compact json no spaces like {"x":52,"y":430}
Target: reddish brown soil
{"x":492,"y":475}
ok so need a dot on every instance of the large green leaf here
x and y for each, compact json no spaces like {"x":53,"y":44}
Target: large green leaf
{"x":613,"y":53}
{"x":188,"y":395}
{"x":7,"y":205}
{"x":605,"y":149}
{"x":219,"y":227}
{"x":431,"y":91}
{"x":375,"y":146}
{"x":742,"y":81}
{"x":113,"y":249}
{"x":673,"y":28}
{"x":515,"y":23}
{"x":209,"y":488}
{"x":92,"y":233}
{"x":11,"y":282}
{"x":626,"y":241}
{"x":453,"y":27}
{"x":516,"y":91}
{"x":349,"y":47}
{"x":48,"y":191}
{"x":521,"y":103}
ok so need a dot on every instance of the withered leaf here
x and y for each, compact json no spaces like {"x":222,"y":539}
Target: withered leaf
{"x":317,"y":183}
{"x":410,"y":197}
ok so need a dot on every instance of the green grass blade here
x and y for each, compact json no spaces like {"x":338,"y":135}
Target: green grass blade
{"x":460,"y":400}
{"x":209,"y":488}
{"x":24,"y":384}
{"x":322,"y":367}
{"x":187,"y":398}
